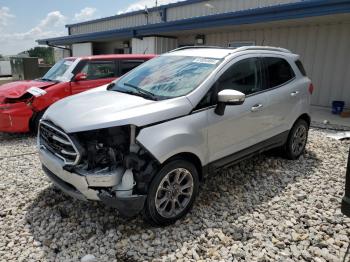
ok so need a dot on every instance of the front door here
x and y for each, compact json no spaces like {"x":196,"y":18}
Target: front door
{"x":241,"y":126}
{"x":98,"y":73}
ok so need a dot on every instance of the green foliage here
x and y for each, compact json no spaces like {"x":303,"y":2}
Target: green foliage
{"x":45,"y":53}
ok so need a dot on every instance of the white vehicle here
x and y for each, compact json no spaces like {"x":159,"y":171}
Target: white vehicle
{"x":144,"y":142}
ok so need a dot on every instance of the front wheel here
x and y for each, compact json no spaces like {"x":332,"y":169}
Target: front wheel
{"x":297,"y":139}
{"x":171,"y":193}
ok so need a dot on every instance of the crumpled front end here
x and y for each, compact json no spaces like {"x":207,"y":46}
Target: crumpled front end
{"x":105,"y":165}
{"x":16,"y":109}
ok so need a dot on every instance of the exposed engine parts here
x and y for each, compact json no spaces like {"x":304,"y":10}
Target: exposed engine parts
{"x":112,"y":158}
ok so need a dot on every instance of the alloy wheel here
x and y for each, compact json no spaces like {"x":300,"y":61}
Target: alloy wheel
{"x":174,"y":192}
{"x":299,"y":140}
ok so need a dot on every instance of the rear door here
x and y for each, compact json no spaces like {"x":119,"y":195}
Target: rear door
{"x":99,"y":72}
{"x":283,"y":93}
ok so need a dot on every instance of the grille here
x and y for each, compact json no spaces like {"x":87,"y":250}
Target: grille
{"x":58,"y":142}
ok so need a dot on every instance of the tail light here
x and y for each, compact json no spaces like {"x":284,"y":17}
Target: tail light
{"x":311,"y":88}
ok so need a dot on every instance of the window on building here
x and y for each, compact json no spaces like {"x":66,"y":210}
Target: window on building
{"x":243,"y":76}
{"x":99,"y":69}
{"x":127,"y":65}
{"x":278,"y":71}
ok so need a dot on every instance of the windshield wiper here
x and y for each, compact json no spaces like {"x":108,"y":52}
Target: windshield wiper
{"x":143,"y":92}
{"x":50,"y":80}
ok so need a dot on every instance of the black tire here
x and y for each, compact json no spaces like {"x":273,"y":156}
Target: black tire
{"x":34,"y":123}
{"x":151,"y":213}
{"x":297,"y":139}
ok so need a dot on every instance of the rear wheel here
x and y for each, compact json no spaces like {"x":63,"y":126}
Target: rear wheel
{"x":172,"y":193}
{"x":297,"y":139}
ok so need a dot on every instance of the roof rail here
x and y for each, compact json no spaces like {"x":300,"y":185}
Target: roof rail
{"x":195,"y":46}
{"x":237,"y":49}
{"x":267,"y":48}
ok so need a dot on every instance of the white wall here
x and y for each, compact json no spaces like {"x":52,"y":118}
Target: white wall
{"x":5,"y":68}
{"x":146,"y":45}
{"x":83,"y":49}
{"x":165,"y":44}
{"x":60,"y":53}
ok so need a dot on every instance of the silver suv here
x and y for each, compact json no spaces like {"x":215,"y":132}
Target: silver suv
{"x":145,"y":141}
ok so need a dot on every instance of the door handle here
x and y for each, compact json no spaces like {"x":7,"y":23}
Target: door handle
{"x":256,"y":107}
{"x":294,"y":93}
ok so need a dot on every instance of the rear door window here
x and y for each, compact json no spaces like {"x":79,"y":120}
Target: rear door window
{"x":127,"y":65}
{"x":278,"y":71}
{"x":99,"y":69}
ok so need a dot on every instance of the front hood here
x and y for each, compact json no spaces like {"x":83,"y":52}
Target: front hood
{"x":19,"y":88}
{"x":103,"y":109}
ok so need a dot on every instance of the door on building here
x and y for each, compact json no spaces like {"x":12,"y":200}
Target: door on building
{"x":242,"y":125}
{"x":98,"y":73}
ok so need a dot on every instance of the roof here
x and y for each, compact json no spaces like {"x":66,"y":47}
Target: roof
{"x":257,"y":15}
{"x":117,"y":56}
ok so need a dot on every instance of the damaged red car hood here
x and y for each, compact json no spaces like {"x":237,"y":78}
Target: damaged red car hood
{"x":19,"y":88}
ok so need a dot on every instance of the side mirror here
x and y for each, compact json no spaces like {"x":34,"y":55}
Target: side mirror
{"x":228,"y":97}
{"x":80,"y":77}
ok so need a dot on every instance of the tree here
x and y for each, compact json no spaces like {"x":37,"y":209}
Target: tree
{"x":45,"y":53}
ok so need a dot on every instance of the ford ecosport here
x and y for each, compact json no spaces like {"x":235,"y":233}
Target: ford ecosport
{"x":143,"y":142}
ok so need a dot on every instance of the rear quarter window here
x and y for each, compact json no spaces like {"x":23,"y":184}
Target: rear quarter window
{"x":278,"y":71}
{"x":300,"y":67}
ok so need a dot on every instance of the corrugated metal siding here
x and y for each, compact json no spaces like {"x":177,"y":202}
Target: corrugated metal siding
{"x":219,"y":6}
{"x":153,"y":45}
{"x":116,"y":23}
{"x":164,"y":44}
{"x":143,"y":46}
{"x":175,"y":13}
{"x":323,"y":48}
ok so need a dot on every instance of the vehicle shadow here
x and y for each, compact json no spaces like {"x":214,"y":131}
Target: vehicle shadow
{"x":9,"y":137}
{"x":66,"y":226}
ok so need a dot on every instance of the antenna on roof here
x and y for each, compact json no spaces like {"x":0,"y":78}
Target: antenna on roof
{"x":156,"y":3}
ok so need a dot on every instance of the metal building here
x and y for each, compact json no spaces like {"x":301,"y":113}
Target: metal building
{"x":318,"y":30}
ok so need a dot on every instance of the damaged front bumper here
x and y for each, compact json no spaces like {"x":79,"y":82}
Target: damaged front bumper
{"x":91,"y":187}
{"x":14,"y":118}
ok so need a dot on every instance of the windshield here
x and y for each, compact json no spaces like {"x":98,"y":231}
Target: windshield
{"x":167,"y":76}
{"x":58,"y":70}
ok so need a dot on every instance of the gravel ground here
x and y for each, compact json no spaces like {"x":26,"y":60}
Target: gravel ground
{"x":264,"y":209}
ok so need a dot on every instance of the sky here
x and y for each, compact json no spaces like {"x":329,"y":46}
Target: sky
{"x":24,"y":21}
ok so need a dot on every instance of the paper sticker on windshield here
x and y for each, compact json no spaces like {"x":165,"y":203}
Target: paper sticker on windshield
{"x":68,"y":63}
{"x":36,"y":91}
{"x":206,"y":61}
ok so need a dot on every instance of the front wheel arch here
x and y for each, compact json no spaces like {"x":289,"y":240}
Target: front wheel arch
{"x":192,"y":158}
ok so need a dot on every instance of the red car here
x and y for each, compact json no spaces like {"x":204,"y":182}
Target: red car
{"x":23,"y":103}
